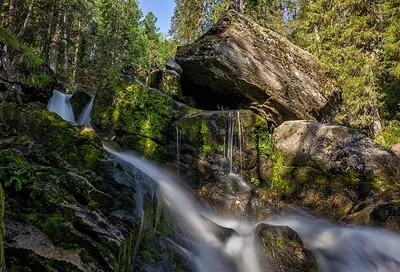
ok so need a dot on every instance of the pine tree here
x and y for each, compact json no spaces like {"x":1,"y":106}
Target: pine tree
{"x":346,"y":35}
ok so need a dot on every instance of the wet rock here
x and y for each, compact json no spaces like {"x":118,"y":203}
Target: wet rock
{"x":332,"y":168}
{"x":78,"y":101}
{"x":283,"y":250}
{"x":30,"y":247}
{"x":173,"y":66}
{"x":242,"y":65}
{"x":207,"y":146}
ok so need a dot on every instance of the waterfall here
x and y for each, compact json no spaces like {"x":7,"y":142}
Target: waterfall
{"x":59,"y":103}
{"x":240,"y":137}
{"x":84,"y":117}
{"x":207,"y":250}
{"x":230,"y":142}
{"x":178,"y":152}
{"x":345,"y":249}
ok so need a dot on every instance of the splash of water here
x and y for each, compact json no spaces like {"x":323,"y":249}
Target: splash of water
{"x":207,"y":250}
{"x":84,"y":117}
{"x":346,"y":249}
{"x":59,"y":103}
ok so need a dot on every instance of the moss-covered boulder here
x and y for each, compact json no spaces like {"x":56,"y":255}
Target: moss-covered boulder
{"x":332,"y":168}
{"x":283,"y":250}
{"x":68,"y":206}
{"x":78,"y":101}
{"x":141,"y":117}
{"x":240,"y":64}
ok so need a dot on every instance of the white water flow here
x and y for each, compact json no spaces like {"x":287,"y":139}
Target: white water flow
{"x":84,"y":117}
{"x":178,"y":153}
{"x":240,"y":137}
{"x":230,"y":142}
{"x":59,"y":103}
{"x":207,"y":250}
{"x":346,"y":249}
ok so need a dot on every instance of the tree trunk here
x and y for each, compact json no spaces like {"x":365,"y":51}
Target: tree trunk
{"x":27,"y":20}
{"x":55,"y":41}
{"x":240,"y":6}
{"x":66,"y":44}
{"x":50,"y":30}
{"x":11,"y":11}
{"x":78,"y":43}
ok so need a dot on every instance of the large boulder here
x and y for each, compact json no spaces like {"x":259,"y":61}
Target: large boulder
{"x":283,"y":250}
{"x":242,"y":65}
{"x":332,"y":168}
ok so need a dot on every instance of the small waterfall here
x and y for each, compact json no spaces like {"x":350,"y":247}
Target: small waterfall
{"x":84,"y":117}
{"x":230,"y":142}
{"x":59,"y":103}
{"x":345,"y":249}
{"x":178,"y":153}
{"x":240,"y":137}
{"x":205,"y":248}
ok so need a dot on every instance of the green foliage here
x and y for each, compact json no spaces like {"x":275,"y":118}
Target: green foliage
{"x":14,"y":171}
{"x":391,"y":101}
{"x":126,"y":255}
{"x":255,"y":181}
{"x":390,"y":135}
{"x":29,"y":60}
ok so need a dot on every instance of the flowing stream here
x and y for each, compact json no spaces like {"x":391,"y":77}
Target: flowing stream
{"x":59,"y":103}
{"x":214,"y":243}
{"x":336,"y":248}
{"x":209,"y":252}
{"x":84,"y":117}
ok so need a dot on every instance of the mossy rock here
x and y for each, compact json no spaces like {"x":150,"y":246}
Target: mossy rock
{"x":136,"y":113}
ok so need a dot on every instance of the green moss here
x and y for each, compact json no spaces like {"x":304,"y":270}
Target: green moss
{"x":390,"y":135}
{"x":14,"y":170}
{"x":132,"y":108}
{"x":255,"y":181}
{"x":29,"y":61}
{"x":148,"y":256}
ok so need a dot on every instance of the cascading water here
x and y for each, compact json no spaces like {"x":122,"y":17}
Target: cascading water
{"x":59,"y":103}
{"x":336,"y":248}
{"x":346,"y":249}
{"x":178,"y":152}
{"x":208,"y":251}
{"x":84,"y":117}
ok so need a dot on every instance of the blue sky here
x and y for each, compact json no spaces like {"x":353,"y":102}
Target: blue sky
{"x":162,"y":9}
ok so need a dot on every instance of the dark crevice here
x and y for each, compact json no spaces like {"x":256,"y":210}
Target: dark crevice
{"x":206,"y":98}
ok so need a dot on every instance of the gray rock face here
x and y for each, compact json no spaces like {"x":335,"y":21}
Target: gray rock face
{"x":396,"y":149}
{"x":333,"y":168}
{"x":337,"y":149}
{"x":79,"y":100}
{"x":174,"y":66}
{"x":284,"y":250}
{"x":242,"y":65}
